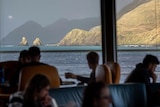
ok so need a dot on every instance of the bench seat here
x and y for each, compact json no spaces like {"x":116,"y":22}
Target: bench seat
{"x":123,"y":95}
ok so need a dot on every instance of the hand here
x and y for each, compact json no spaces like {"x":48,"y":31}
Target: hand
{"x":154,"y":77}
{"x":70,"y":75}
{"x":47,"y":101}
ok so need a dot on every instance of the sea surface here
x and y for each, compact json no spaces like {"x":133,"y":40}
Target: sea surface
{"x":75,"y":61}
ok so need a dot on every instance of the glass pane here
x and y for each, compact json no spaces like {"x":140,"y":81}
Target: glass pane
{"x":137,"y":32}
{"x":65,"y":31}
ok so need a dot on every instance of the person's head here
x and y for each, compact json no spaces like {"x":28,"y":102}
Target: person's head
{"x":96,"y":94}
{"x":150,"y":62}
{"x":93,"y":59}
{"x":37,"y":88}
{"x":34,"y":53}
{"x":24,"y":57}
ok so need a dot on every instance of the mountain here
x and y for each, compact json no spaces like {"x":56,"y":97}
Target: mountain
{"x":50,"y":34}
{"x":30,"y":30}
{"x":63,"y":26}
{"x":82,"y":37}
{"x":139,"y":26}
{"x":132,"y":5}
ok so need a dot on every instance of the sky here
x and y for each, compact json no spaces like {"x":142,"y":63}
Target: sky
{"x":14,"y":13}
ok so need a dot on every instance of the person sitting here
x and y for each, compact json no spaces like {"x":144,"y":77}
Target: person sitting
{"x":36,"y":94}
{"x":34,"y":53}
{"x":96,"y":94}
{"x":93,"y":60}
{"x":24,"y":58}
{"x":144,"y":71}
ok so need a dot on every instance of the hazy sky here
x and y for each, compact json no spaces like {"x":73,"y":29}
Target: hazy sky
{"x":14,"y":13}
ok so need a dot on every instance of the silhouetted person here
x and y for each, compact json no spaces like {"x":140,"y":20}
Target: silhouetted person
{"x":93,"y":60}
{"x":144,"y":71}
{"x":96,"y":94}
{"x":24,"y":58}
{"x":36,"y":94}
{"x":35,"y":54}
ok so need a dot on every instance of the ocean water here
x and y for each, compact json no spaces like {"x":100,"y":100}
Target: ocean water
{"x":76,"y":62}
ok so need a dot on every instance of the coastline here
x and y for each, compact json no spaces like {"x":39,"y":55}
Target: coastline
{"x":46,"y":48}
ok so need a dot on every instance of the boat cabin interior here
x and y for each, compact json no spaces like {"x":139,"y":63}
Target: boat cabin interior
{"x":127,"y":29}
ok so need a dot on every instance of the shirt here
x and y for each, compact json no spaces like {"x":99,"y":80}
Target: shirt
{"x":16,"y":100}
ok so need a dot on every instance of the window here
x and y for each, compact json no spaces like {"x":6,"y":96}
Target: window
{"x":65,"y":29}
{"x":137,"y":32}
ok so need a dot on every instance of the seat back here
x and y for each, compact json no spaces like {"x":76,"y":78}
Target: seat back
{"x":10,"y":67}
{"x":153,"y":94}
{"x":128,"y":95}
{"x":103,"y":73}
{"x":67,"y":95}
{"x":123,"y":95}
{"x":115,"y":71}
{"x":28,"y":72}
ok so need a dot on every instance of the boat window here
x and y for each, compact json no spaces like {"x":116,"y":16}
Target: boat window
{"x":137,"y":32}
{"x":64,"y":30}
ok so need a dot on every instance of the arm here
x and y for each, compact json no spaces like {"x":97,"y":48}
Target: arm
{"x":154,"y":77}
{"x":80,"y":78}
{"x":83,"y":79}
{"x":144,"y":77}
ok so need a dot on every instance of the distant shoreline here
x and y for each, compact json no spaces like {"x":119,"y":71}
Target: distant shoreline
{"x":11,"y":48}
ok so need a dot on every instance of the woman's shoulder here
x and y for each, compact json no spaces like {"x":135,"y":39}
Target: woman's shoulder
{"x":17,"y":96}
{"x":16,"y":99}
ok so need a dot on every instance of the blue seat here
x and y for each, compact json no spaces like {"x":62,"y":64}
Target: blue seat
{"x":66,"y":95}
{"x":123,"y":95}
{"x":128,"y":95}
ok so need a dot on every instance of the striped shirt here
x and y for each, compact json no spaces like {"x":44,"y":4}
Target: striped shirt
{"x":16,"y":100}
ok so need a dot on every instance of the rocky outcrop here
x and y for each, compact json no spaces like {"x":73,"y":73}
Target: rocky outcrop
{"x":37,"y":42}
{"x":52,"y":33}
{"x":24,"y":41}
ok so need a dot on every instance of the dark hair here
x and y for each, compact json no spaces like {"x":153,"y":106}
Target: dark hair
{"x":93,"y":57}
{"x":35,"y":85}
{"x":24,"y":53}
{"x":92,"y":92}
{"x":34,"y":51}
{"x":150,"y":59}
